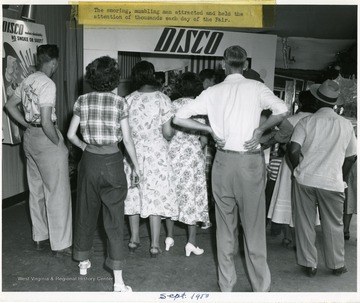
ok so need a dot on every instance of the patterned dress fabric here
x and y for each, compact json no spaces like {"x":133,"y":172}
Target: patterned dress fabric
{"x":155,"y":195}
{"x":188,"y":162}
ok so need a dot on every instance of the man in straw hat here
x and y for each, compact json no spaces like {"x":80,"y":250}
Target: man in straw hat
{"x":238,"y":174}
{"x":327,"y":144}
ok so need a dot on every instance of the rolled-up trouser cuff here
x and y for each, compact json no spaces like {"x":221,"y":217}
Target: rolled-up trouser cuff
{"x":81,"y":255}
{"x":115,"y":264}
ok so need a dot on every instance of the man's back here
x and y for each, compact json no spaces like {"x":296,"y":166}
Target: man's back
{"x":234,"y":108}
{"x":326,"y":139}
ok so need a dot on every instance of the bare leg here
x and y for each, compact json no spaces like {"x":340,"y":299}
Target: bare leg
{"x":119,"y":284}
{"x":347,"y":219}
{"x":192,"y":234}
{"x":170,"y":228}
{"x":134,"y":221}
{"x":287,"y":235}
{"x":155,"y":225}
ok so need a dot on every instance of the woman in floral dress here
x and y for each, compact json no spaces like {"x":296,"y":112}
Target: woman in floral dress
{"x":188,"y":162}
{"x":150,"y":113}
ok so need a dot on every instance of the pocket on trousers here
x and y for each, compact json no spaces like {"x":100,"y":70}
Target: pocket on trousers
{"x":115,"y":175}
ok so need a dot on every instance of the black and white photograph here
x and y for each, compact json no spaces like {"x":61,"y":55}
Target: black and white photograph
{"x":179,"y":151}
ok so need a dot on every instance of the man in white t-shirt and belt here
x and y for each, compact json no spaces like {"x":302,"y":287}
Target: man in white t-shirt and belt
{"x":238,"y":175}
{"x":46,"y":154}
{"x":322,"y":149}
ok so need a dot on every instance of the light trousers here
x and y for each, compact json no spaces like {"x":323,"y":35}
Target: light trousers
{"x":331,"y":205}
{"x":49,"y":186}
{"x":239,"y":180}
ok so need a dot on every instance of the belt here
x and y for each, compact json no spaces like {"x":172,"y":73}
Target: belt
{"x":247,"y":152}
{"x":38,"y":124}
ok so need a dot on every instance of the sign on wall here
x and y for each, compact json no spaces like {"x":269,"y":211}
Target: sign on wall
{"x":20,"y":40}
{"x":183,"y":42}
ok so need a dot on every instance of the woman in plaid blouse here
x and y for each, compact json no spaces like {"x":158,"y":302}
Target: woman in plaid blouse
{"x":103,"y":120}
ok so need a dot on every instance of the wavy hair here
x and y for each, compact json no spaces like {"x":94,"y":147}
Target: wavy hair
{"x":189,"y":84}
{"x":143,"y":73}
{"x":103,"y":74}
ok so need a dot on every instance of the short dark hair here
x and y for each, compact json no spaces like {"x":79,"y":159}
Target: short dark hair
{"x":103,"y":74}
{"x":207,"y":73}
{"x":45,"y":53}
{"x":235,"y":56}
{"x":189,"y":84}
{"x":307,"y":102}
{"x":143,"y":73}
{"x":160,"y":77}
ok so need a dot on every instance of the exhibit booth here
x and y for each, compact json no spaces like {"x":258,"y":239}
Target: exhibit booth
{"x":175,"y":50}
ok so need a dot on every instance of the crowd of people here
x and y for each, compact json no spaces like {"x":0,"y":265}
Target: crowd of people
{"x":178,"y":156}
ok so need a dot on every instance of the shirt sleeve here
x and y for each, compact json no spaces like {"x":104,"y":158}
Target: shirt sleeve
{"x":123,"y":108}
{"x":351,"y":150}
{"x":47,"y":94}
{"x":283,"y":135}
{"x":166,"y":109}
{"x":17,"y":92}
{"x":76,"y":108}
{"x":298,"y":135}
{"x":269,"y":101}
{"x":198,"y":107}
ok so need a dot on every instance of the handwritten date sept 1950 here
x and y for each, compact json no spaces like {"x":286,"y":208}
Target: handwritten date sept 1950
{"x":175,"y":296}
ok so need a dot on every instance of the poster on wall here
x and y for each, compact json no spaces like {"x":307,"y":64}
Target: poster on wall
{"x":20,"y":40}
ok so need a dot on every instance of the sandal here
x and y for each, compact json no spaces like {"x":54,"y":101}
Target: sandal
{"x":133,"y":246}
{"x":122,"y":288}
{"x":155,"y":251}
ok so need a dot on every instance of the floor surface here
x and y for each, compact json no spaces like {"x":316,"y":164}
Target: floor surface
{"x":27,"y":270}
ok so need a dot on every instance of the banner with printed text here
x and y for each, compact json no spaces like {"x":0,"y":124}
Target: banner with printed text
{"x":20,"y":40}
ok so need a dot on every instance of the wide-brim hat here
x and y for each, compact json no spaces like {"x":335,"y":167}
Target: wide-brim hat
{"x":327,"y":92}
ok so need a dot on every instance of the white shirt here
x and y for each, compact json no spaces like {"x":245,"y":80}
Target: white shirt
{"x":234,"y":107}
{"x":326,"y":139}
{"x":36,"y":91}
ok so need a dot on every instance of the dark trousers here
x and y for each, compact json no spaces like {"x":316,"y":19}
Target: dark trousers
{"x":101,"y":181}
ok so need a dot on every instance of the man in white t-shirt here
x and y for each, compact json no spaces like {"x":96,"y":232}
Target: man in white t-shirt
{"x":46,"y":154}
{"x":321,"y":151}
{"x":234,"y":107}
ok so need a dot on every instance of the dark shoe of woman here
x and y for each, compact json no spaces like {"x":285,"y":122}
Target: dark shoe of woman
{"x":155,"y":251}
{"x":133,"y":246}
{"x":347,"y":235}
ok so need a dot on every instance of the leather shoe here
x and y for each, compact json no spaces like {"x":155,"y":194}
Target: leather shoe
{"x":63,"y":252}
{"x":40,"y":245}
{"x":339,"y":271}
{"x":310,"y":271}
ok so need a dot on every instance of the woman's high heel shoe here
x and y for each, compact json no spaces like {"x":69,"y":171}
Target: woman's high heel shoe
{"x":155,"y":251}
{"x":189,"y":248}
{"x":169,"y":242}
{"x":133,"y":246}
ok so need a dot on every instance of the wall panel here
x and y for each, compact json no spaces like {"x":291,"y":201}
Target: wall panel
{"x":54,"y":17}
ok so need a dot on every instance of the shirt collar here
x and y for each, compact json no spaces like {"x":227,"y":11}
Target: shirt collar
{"x":234,"y":77}
{"x":326,"y":109}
